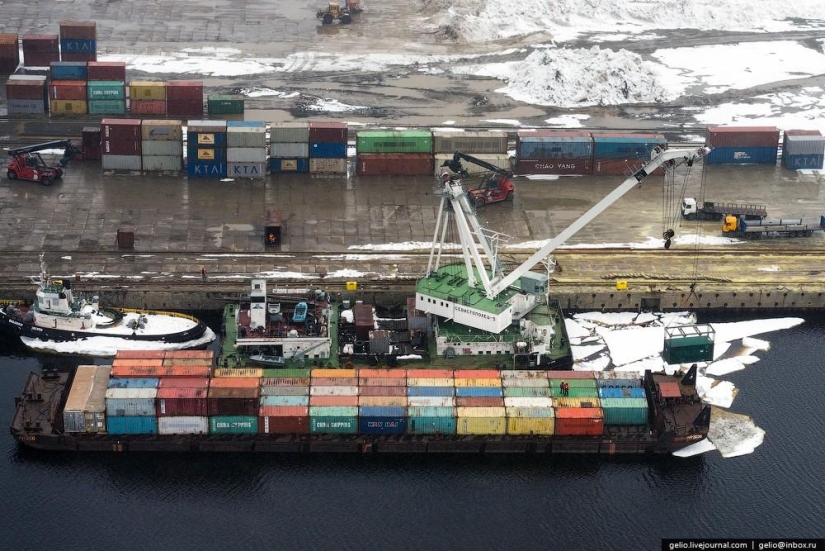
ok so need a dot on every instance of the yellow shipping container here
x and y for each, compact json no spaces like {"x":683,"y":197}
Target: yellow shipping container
{"x":481,"y":412}
{"x":567,"y":402}
{"x":481,"y":425}
{"x":531,"y":425}
{"x":334,"y":373}
{"x":430,"y":381}
{"x":394,"y":401}
{"x":244,"y":372}
{"x":488,"y":383}
{"x":188,"y":362}
{"x":68,"y":107}
{"x":147,"y":90}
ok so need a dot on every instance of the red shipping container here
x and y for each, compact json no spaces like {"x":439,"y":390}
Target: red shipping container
{"x":479,"y":402}
{"x":333,"y":400}
{"x":557,"y":374}
{"x":477,"y":374}
{"x":232,"y":406}
{"x":181,"y":401}
{"x":579,"y":422}
{"x":283,"y":425}
{"x":184,"y":382}
{"x":137,"y":354}
{"x":395,"y":164}
{"x":193,"y":107}
{"x":147,"y":107}
{"x":86,"y":30}
{"x":40,"y":59}
{"x":41,"y":43}
{"x":430,"y":373}
{"x":283,"y":411}
{"x":184,"y":90}
{"x":121,"y":130}
{"x":383,"y":373}
{"x":554,"y":166}
{"x":154,"y":371}
{"x":335,"y":381}
{"x":742,"y":136}
{"x":8,"y":65}
{"x":106,"y":70}
{"x":382,"y":391}
{"x":284,"y":381}
{"x":620,"y":167}
{"x":26,"y":89}
{"x":328,"y":132}
{"x":91,"y":56}
{"x":68,"y":90}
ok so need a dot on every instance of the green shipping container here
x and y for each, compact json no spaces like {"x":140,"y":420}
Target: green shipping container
{"x":233,"y":424}
{"x":394,"y":141}
{"x":574,"y":383}
{"x":106,"y":89}
{"x":527,"y":392}
{"x":431,"y":425}
{"x":225,"y":104}
{"x":575,"y":392}
{"x":107,"y":107}
{"x":287,"y":373}
{"x":624,"y":411}
{"x":333,"y":425}
{"x":688,"y":349}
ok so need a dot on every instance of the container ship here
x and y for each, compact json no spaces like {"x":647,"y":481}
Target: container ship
{"x":175,"y":401}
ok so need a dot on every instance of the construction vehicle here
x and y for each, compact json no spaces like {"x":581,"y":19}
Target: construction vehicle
{"x":335,"y":11}
{"x":27,"y":164}
{"x":738,"y":226}
{"x":495,"y":186}
{"x":717,"y":211}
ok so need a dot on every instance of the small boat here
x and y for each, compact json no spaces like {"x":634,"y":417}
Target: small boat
{"x":267,"y":360}
{"x":59,"y":316}
{"x":300,"y":314}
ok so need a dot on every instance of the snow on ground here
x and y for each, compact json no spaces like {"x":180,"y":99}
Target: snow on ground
{"x":332,"y":106}
{"x":108,"y":346}
{"x":567,"y":121}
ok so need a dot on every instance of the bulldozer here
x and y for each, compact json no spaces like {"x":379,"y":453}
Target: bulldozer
{"x":341,"y":12}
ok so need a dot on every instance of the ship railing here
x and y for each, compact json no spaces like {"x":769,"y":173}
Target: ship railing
{"x":160,"y":312}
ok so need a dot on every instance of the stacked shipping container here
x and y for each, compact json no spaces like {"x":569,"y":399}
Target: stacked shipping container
{"x":78,"y":41}
{"x":554,"y":152}
{"x":184,"y":98}
{"x":206,"y":149}
{"x":9,"y":53}
{"x":803,"y":149}
{"x":121,"y":144}
{"x":39,"y":50}
{"x":382,"y":401}
{"x":742,"y":144}
{"x":233,"y":405}
{"x":527,"y":415}
{"x":578,"y":411}
{"x":26,"y":94}
{"x":284,"y":402}
{"x":246,"y":149}
{"x":622,"y":398}
{"x":107,"y":97}
{"x":147,"y":98}
{"x":488,"y":146}
{"x":161,"y":145}
{"x":618,"y":152}
{"x":431,"y":401}
{"x":289,"y":147}
{"x":333,"y":401}
{"x":328,"y":148}
{"x":394,"y":152}
{"x":85,"y":409}
{"x":480,"y":402}
{"x":68,"y":88}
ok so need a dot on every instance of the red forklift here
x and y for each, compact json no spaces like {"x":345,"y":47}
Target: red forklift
{"x":27,"y":164}
{"x":495,"y":186}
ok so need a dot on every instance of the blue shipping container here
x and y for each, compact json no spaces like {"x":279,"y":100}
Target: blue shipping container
{"x":555,"y":148}
{"x":478,"y":392}
{"x":299,"y":164}
{"x":626,"y":392}
{"x":137,"y":382}
{"x":205,"y":169}
{"x":77,"y":46}
{"x":328,"y":150}
{"x":205,"y":153}
{"x":205,"y":139}
{"x":431,"y":425}
{"x":628,"y":147}
{"x":132,"y":425}
{"x":382,"y":425}
{"x":285,"y":401}
{"x":68,"y":70}
{"x":382,"y":411}
{"x":741,"y":155}
{"x":430,"y":391}
{"x":794,"y":162}
{"x":431,"y":411}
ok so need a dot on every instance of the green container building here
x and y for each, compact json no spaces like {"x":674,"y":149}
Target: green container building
{"x":233,"y":424}
{"x":107,"y":107}
{"x":624,"y":411}
{"x":688,"y":344}
{"x":217,"y":104}
{"x":394,"y":141}
{"x":333,"y":425}
{"x":106,"y":90}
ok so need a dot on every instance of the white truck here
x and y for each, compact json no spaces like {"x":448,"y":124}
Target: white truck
{"x":710,"y":210}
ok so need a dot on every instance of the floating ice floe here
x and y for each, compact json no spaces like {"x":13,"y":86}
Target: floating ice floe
{"x":716,"y":393}
{"x":703,"y":446}
{"x":734,"y":434}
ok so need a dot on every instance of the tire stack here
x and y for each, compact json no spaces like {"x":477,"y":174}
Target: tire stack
{"x":161,"y":145}
{"x":328,"y":148}
{"x":78,"y":41}
{"x":9,"y":53}
{"x":206,"y":149}
{"x":289,"y":147}
{"x":246,"y":149}
{"x":121,"y":144}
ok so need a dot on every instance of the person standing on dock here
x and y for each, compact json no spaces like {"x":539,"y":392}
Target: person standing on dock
{"x":203,"y":273}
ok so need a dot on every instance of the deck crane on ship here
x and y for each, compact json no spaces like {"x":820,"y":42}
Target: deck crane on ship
{"x":476,"y":308}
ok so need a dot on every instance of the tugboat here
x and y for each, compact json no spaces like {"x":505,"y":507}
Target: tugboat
{"x":59,"y":316}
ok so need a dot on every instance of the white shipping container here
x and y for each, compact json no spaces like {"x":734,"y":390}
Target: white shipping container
{"x":246,"y":154}
{"x":523,"y":374}
{"x":246,"y":136}
{"x":131,"y":401}
{"x":202,"y":126}
{"x":530,"y":412}
{"x":507,"y":383}
{"x":612,"y":375}
{"x":289,"y":132}
{"x":328,"y":166}
{"x":519,"y":402}
{"x":86,"y":405}
{"x":161,"y":163}
{"x":289,"y":150}
{"x":121,"y":162}
{"x":434,"y":401}
{"x":165,"y":148}
{"x":804,"y":145}
{"x":245,"y":170}
{"x":430,"y":381}
{"x":333,"y":391}
{"x":183,"y":425}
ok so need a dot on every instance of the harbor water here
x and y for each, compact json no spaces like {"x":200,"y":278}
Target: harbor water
{"x":235,"y":501}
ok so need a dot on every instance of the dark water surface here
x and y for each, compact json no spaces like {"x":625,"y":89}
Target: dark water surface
{"x":68,"y":501}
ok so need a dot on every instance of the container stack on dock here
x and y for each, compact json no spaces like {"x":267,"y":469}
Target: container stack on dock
{"x":578,"y":411}
{"x":78,"y":41}
{"x":39,"y":50}
{"x":803,"y":149}
{"x":328,"y":148}
{"x":488,"y":146}
{"x":742,"y":144}
{"x":246,"y":149}
{"x":333,"y":401}
{"x":27,"y":95}
{"x":120,"y":144}
{"x":382,"y":401}
{"x":147,"y":97}
{"x":91,"y":143}
{"x":68,"y":97}
{"x":161,"y":145}
{"x":620,"y":152}
{"x":184,"y":98}
{"x":529,"y":407}
{"x":284,"y":402}
{"x":394,"y":152}
{"x":182,"y":405}
{"x":622,"y":398}
{"x":225,"y":104}
{"x":206,"y":149}
{"x":480,"y":402}
{"x":106,"y":97}
{"x":234,"y":403}
{"x":554,"y":152}
{"x":431,"y":401}
{"x":9,"y":53}
{"x":85,"y":409}
{"x":289,"y":147}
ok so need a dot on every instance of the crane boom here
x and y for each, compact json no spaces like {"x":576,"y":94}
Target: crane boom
{"x":455,"y":165}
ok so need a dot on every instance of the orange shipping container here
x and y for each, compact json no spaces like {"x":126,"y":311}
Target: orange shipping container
{"x":333,"y":373}
{"x":382,"y":373}
{"x":137,"y":362}
{"x":430,"y":373}
{"x":283,"y":411}
{"x":477,"y":374}
{"x":579,"y":422}
{"x":155,"y":371}
{"x":333,"y":401}
{"x":184,"y":382}
{"x":187,"y":361}
{"x":140,"y":354}
{"x":189,"y":354}
{"x":236,"y":382}
{"x":479,"y":402}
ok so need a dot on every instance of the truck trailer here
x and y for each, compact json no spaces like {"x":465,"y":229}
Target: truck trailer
{"x":738,"y":226}
{"x":711,"y":210}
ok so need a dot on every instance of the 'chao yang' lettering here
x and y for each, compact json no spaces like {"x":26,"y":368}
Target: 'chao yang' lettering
{"x":463,"y":310}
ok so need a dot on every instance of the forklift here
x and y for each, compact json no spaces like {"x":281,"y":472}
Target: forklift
{"x":27,"y":164}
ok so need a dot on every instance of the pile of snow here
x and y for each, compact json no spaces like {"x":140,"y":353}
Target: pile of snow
{"x":106,"y":347}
